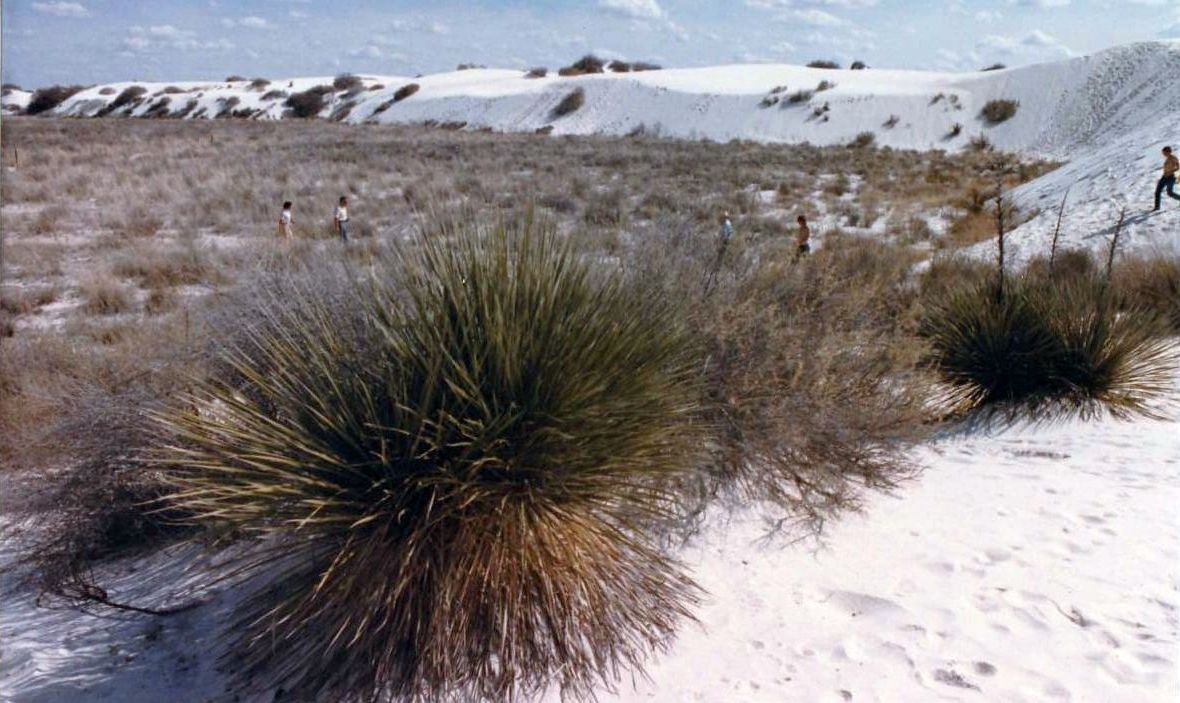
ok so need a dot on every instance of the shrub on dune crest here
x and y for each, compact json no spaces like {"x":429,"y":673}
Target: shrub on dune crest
{"x":450,"y":482}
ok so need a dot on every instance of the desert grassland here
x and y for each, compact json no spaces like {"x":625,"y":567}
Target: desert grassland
{"x":118,"y":231}
{"x":533,"y":350}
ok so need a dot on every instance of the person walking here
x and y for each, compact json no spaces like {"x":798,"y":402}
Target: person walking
{"x":285,"y":221}
{"x":341,"y":218}
{"x":726,"y":232}
{"x":1168,"y":182}
{"x":802,"y":238}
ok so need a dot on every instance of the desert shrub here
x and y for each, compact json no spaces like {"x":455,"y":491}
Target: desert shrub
{"x":979,"y":144}
{"x":571,"y":103}
{"x":891,"y":122}
{"x":768,"y":101}
{"x":274,"y":95}
{"x":858,"y":66}
{"x":347,"y":81}
{"x":1040,"y":346}
{"x":864,"y":140}
{"x":539,"y":72}
{"x":645,"y":66}
{"x":998,"y":111}
{"x":102,"y":295}
{"x":405,"y":91}
{"x":9,"y":87}
{"x":587,"y":64}
{"x":308,"y":103}
{"x":107,"y":91}
{"x":23,"y":301}
{"x":994,"y":67}
{"x":130,"y":95}
{"x":457,"y":475}
{"x":824,"y":85}
{"x":809,"y":380}
{"x":619,"y":67}
{"x":227,"y":106}
{"x":235,"y":79}
{"x":956,"y":130}
{"x":45,"y":99}
{"x":821,"y":63}
{"x":800,"y":96}
{"x":342,"y":111}
{"x":1151,"y":282}
{"x":173,"y":90}
{"x":159,"y":108}
{"x":605,"y":208}
{"x":259,"y":84}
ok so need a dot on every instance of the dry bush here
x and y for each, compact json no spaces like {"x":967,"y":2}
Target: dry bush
{"x":999,"y":111}
{"x":405,"y":91}
{"x":274,"y":94}
{"x":583,"y":66}
{"x":1151,"y":282}
{"x":23,"y":301}
{"x":45,"y":99}
{"x":102,"y":295}
{"x":864,"y":140}
{"x":308,"y":103}
{"x":858,"y":66}
{"x":800,"y":96}
{"x":347,"y":82}
{"x":820,"y":63}
{"x":128,"y":97}
{"x":645,"y":66}
{"x":496,"y":436}
{"x":811,"y":379}
{"x":571,"y":103}
{"x":994,"y":67}
{"x":619,"y":67}
{"x":539,"y":72}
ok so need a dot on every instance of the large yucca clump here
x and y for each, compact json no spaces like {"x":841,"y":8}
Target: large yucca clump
{"x":1043,"y":346}
{"x":450,"y":480}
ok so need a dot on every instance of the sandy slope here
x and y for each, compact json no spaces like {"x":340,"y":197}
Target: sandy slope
{"x":1035,"y":564}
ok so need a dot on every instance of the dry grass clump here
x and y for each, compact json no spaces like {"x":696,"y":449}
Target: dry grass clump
{"x":1151,"y":282}
{"x":23,"y":301}
{"x":102,"y":295}
{"x":571,"y":103}
{"x":453,"y":480}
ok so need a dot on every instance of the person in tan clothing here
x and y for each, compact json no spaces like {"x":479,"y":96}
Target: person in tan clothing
{"x":1168,"y":182}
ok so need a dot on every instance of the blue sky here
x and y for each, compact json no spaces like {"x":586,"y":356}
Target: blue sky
{"x":91,"y":41}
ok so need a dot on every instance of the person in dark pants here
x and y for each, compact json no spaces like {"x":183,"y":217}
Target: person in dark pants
{"x":1168,"y":182}
{"x":802,"y":238}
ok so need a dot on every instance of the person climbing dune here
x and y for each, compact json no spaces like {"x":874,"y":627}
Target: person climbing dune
{"x":1168,"y":182}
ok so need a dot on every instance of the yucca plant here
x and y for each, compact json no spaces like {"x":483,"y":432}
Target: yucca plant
{"x":450,"y":482}
{"x":1044,"y":347}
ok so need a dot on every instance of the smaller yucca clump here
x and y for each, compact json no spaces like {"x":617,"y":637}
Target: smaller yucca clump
{"x":1044,"y":346}
{"x":451,"y":483}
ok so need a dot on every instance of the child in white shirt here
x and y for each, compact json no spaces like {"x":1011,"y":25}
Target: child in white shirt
{"x":341,"y":218}
{"x":285,"y":221}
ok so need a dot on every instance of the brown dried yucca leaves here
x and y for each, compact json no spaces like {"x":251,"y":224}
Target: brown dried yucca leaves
{"x":451,"y":481}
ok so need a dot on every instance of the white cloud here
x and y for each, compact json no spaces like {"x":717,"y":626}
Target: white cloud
{"x":62,"y":9}
{"x":1034,"y":42}
{"x":818,"y":18}
{"x":638,"y":9}
{"x":251,"y":22}
{"x":1042,"y":4}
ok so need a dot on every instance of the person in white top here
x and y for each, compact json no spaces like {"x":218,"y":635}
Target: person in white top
{"x":285,"y":221}
{"x":342,"y":219}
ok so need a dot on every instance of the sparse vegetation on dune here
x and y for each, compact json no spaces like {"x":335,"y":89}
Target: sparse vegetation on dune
{"x":571,"y":103}
{"x":999,"y":111}
{"x":45,"y":99}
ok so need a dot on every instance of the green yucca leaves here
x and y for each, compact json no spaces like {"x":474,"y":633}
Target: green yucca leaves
{"x":450,"y":473}
{"x":1048,"y":346}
